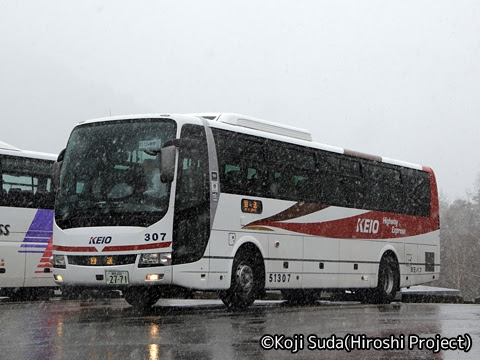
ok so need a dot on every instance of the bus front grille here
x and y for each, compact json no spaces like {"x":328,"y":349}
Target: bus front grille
{"x":101,"y":260}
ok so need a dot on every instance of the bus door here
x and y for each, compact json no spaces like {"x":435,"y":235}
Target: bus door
{"x":191,"y":226}
{"x":26,"y":221}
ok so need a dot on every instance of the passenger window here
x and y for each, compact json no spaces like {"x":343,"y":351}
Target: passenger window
{"x":26,"y":183}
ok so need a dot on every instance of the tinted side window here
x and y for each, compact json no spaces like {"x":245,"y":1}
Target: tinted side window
{"x":26,"y":182}
{"x":241,"y":163}
{"x":268,"y":168}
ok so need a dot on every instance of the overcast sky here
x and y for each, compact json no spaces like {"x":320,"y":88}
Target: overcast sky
{"x":399,"y":79}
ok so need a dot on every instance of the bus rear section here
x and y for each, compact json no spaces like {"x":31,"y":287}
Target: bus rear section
{"x":26,"y":223}
{"x":318,"y":218}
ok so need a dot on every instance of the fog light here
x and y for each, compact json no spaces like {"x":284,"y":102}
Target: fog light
{"x":154,"y":277}
{"x":58,"y":278}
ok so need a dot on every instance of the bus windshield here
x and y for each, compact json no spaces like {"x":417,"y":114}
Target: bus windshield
{"x":111,"y":175}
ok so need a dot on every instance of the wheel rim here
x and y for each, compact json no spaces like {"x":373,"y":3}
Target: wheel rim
{"x":245,"y":279}
{"x":388,"y":280}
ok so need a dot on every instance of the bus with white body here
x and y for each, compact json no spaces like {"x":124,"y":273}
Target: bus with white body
{"x":238,"y":205}
{"x":26,"y":220}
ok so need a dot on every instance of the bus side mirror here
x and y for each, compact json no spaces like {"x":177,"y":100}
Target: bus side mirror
{"x":167,"y":164}
{"x":57,"y":167}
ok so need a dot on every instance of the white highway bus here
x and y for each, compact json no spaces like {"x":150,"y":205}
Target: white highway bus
{"x":238,"y":205}
{"x":26,"y":220}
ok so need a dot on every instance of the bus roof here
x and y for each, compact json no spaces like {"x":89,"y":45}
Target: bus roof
{"x":251,"y":125}
{"x":7,"y":149}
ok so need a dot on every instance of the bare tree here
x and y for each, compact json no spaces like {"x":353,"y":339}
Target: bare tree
{"x":460,"y":244}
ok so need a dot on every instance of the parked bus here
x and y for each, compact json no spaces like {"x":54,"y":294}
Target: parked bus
{"x":26,"y":220}
{"x":239,"y":205}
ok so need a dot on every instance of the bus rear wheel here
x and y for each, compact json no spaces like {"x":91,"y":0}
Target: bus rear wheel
{"x":387,"y":287}
{"x":388,"y":281}
{"x":246,"y":283}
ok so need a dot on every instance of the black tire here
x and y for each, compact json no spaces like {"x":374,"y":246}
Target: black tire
{"x":141,"y":299}
{"x":388,"y":281}
{"x":388,"y":284}
{"x":248,"y":281}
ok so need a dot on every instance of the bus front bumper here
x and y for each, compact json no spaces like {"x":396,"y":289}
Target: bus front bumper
{"x":113,"y":277}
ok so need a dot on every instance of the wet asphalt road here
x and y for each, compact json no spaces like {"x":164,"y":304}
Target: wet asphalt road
{"x":204,"y":329}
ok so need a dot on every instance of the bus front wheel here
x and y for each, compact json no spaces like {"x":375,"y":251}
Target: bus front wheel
{"x":141,"y":298}
{"x":246,"y":283}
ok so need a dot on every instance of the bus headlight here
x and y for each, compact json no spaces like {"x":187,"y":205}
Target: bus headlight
{"x":155,"y":259}
{"x":59,"y":261}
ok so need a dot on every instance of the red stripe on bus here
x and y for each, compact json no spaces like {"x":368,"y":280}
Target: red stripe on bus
{"x":112,"y":248}
{"x":46,"y":265}
{"x":74,"y":248}
{"x":137,"y":247}
{"x":371,"y":225}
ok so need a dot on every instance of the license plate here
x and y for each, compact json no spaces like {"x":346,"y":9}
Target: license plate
{"x":116,"y":277}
